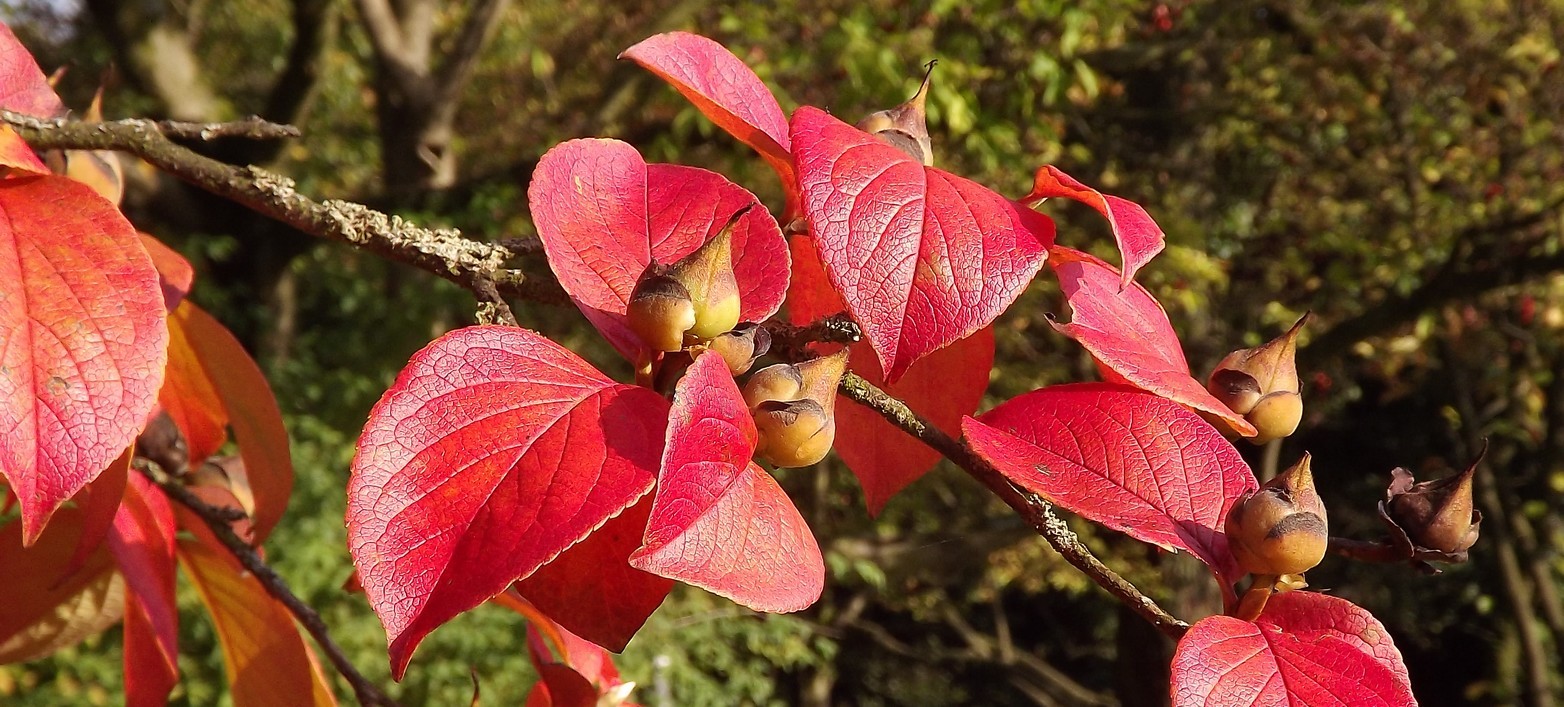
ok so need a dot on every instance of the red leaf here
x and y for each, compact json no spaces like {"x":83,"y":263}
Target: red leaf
{"x":48,"y":605}
{"x":15,"y":154}
{"x":1228,"y":662}
{"x":922,"y":257}
{"x":943,"y":387}
{"x":142,"y":543}
{"x":99,"y":502}
{"x":173,"y":272}
{"x":561,"y":686}
{"x":1139,"y":238}
{"x":546,"y":640}
{"x":265,"y":658}
{"x":592,"y":590}
{"x":604,"y":214}
{"x":82,"y":340}
{"x":462,"y":483}
{"x":719,"y":521}
{"x":1129,"y":334}
{"x":1310,"y":615}
{"x":726,"y":91}
{"x":23,"y":87}
{"x":1129,"y":460}
{"x":250,"y":409}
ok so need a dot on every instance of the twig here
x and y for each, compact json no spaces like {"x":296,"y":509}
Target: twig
{"x":251,"y":128}
{"x":492,"y":307}
{"x":789,"y":341}
{"x":1035,"y":510}
{"x":443,"y":252}
{"x":218,"y":521}
{"x":1388,"y":552}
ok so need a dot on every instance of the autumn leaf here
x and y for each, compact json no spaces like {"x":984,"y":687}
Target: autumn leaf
{"x":266,"y":660}
{"x":82,"y":340}
{"x":49,"y":605}
{"x":1138,"y":236}
{"x":175,"y":275}
{"x":921,"y":257}
{"x":604,"y":214}
{"x":1227,"y":662}
{"x":23,"y":87}
{"x":726,"y":91}
{"x":1127,"y":459}
{"x":142,"y":543}
{"x":1129,"y":334}
{"x":719,"y":521}
{"x":942,"y":387}
{"x":591,"y":589}
{"x":1311,"y":615}
{"x":213,"y":363}
{"x":462,"y":483}
{"x":99,"y":503}
{"x":15,"y":154}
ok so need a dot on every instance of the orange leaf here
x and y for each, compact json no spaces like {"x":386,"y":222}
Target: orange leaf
{"x":15,"y":154}
{"x":252,"y":413}
{"x":45,"y":607}
{"x":263,"y":654}
{"x":188,"y":395}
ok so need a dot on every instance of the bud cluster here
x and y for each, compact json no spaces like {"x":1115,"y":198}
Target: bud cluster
{"x":1280,"y":529}
{"x":695,"y":302}
{"x":795,"y":409}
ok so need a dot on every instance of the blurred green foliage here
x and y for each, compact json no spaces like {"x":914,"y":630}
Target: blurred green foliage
{"x":1370,"y":162}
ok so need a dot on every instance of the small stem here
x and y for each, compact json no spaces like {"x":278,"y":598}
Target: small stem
{"x":1253,"y":603}
{"x":218,"y":521}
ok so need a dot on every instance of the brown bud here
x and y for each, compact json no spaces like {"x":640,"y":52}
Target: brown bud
{"x":707,"y":274}
{"x":1251,"y":382}
{"x":1435,"y":515}
{"x":794,"y":433}
{"x":905,"y":127}
{"x":1280,"y":528}
{"x":739,"y":348}
{"x":776,"y":383}
{"x":660,"y":311}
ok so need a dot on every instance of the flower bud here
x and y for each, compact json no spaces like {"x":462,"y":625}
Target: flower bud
{"x":1435,"y":515}
{"x":1262,"y":385}
{"x":739,"y":348}
{"x":821,"y":376}
{"x":905,"y":127}
{"x":780,"y":383}
{"x":794,"y":433}
{"x":1280,"y":528}
{"x":707,"y":273}
{"x":660,"y":311}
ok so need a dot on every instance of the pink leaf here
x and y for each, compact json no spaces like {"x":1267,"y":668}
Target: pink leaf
{"x":23,"y":87}
{"x":82,"y":340}
{"x":175,"y":275}
{"x":725,"y":90}
{"x":592,"y":590}
{"x":1139,"y":238}
{"x":1129,"y":334}
{"x":604,"y":214}
{"x":942,"y":387}
{"x":1228,"y":662}
{"x":719,"y":521}
{"x":922,"y":257}
{"x":142,"y":543}
{"x":495,"y":450}
{"x":1309,"y":615}
{"x":15,"y":153}
{"x":1129,"y":460}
